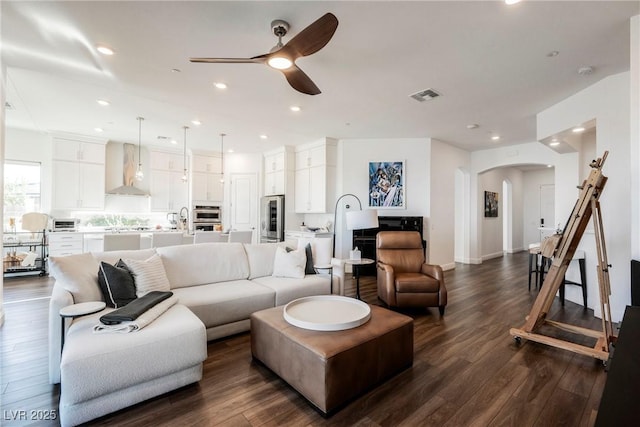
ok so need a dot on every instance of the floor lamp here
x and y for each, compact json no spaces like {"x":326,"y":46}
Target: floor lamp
{"x":356,"y":220}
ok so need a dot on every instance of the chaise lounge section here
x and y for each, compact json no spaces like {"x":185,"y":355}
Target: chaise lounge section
{"x":218,"y":287}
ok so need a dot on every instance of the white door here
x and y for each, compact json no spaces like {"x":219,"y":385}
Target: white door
{"x":244,"y":202}
{"x":547,"y":210}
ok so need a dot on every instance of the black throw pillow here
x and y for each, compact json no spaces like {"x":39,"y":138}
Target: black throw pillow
{"x":309,"y":267}
{"x":117,"y":284}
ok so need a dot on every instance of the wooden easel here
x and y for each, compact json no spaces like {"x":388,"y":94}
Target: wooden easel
{"x":562,"y":247}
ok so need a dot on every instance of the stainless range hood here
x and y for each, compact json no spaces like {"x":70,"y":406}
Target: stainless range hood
{"x":128,"y":174}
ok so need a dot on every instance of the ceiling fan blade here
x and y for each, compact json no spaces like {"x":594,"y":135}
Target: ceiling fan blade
{"x":254,"y":60}
{"x":312,"y":38}
{"x":300,"y":81}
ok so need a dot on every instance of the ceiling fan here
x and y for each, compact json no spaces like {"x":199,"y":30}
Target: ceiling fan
{"x":283,"y":57}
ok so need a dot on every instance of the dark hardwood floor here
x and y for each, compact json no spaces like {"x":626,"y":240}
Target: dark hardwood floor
{"x":467,"y":369}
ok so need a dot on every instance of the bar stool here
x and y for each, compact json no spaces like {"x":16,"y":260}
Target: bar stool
{"x":534,"y":261}
{"x":580,"y":257}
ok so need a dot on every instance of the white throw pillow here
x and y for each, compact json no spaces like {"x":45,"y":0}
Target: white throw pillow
{"x":78,"y":274}
{"x":149,"y":275}
{"x":289,"y":264}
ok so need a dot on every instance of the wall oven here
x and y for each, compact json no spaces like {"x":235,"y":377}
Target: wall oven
{"x":272,"y":219}
{"x":203,"y":213}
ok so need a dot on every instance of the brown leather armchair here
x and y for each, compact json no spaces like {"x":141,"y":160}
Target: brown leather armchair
{"x":404,"y":280}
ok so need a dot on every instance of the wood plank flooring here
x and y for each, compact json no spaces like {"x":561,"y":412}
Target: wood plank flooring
{"x":467,"y":368}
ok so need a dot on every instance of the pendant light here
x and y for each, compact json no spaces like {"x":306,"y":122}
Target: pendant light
{"x":222,"y":135}
{"x":139,"y":173}
{"x":184,"y":155}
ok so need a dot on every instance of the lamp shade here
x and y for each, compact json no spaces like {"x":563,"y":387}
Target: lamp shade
{"x":358,"y":220}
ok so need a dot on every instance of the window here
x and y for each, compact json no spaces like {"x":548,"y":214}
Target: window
{"x":21,"y":192}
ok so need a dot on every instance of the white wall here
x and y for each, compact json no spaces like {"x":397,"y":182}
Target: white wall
{"x":635,"y":136}
{"x":608,"y":101}
{"x":354,"y":156}
{"x":446,"y":160}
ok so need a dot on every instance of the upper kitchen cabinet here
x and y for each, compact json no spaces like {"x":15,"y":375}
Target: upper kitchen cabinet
{"x":315,"y":176}
{"x":206,"y":178}
{"x":78,"y":173}
{"x":279,"y":171}
{"x":168,"y":191}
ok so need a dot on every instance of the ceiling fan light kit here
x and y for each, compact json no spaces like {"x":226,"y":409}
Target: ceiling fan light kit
{"x":282,"y":57}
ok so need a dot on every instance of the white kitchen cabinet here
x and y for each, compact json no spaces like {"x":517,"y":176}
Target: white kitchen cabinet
{"x":78,"y":185}
{"x":62,"y":243}
{"x":315,"y":177}
{"x":78,"y":174}
{"x":206,"y":187}
{"x":206,"y":163}
{"x":68,"y":149}
{"x":168,"y":191}
{"x":206,"y":177}
{"x":162,"y":160}
{"x":278,"y":171}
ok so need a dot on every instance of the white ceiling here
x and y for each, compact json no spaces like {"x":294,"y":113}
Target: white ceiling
{"x":488,"y":60}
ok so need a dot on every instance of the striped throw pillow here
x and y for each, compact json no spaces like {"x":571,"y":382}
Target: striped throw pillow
{"x":149,"y":275}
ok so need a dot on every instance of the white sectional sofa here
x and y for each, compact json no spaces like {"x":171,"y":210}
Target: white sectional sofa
{"x":218,"y":285}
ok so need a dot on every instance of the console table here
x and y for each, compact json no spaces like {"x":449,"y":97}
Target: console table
{"x":618,"y":406}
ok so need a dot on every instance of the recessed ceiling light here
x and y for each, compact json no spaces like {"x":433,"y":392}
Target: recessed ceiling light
{"x":220,"y":85}
{"x":196,"y":122}
{"x":263,"y":136}
{"x":495,"y":137}
{"x":98,"y":130}
{"x":173,"y":141}
{"x":553,"y":53}
{"x":105,"y":50}
{"x":295,"y":108}
{"x":577,"y":129}
{"x":103,"y":102}
{"x":176,"y":70}
{"x":549,"y":166}
{"x":230,"y":150}
{"x":554,"y":143}
{"x":473,"y":126}
{"x":510,"y":2}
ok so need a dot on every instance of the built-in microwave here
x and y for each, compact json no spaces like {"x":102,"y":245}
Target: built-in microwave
{"x":206,"y":214}
{"x":64,"y":224}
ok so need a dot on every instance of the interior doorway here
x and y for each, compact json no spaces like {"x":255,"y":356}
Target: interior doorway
{"x":547,"y":210}
{"x":244,"y":202}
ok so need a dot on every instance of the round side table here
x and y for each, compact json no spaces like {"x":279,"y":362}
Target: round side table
{"x":77,"y":310}
{"x":356,"y":270}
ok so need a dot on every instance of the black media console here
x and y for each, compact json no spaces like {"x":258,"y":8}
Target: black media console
{"x":365,"y":240}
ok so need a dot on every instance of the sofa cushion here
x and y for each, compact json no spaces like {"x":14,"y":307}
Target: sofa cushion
{"x":226,"y":302}
{"x":78,"y":275}
{"x":189,"y":265}
{"x":94,"y":365}
{"x":261,"y":257}
{"x":117,"y":284}
{"x":149,"y":274}
{"x":113,"y":256}
{"x":289,"y":263}
{"x":288,"y":289}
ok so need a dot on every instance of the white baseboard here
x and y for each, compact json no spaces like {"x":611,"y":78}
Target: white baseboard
{"x":449,"y":266}
{"x":469,"y":260}
{"x":493,"y":255}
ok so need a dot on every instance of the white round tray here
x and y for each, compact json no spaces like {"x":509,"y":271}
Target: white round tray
{"x":327,"y":313}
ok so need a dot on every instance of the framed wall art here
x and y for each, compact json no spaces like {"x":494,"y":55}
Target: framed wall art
{"x":387,"y":185}
{"x":490,"y":204}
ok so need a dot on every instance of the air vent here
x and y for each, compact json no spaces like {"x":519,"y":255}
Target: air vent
{"x":163,"y":138}
{"x":425,"y":95}
{"x":9,"y":106}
